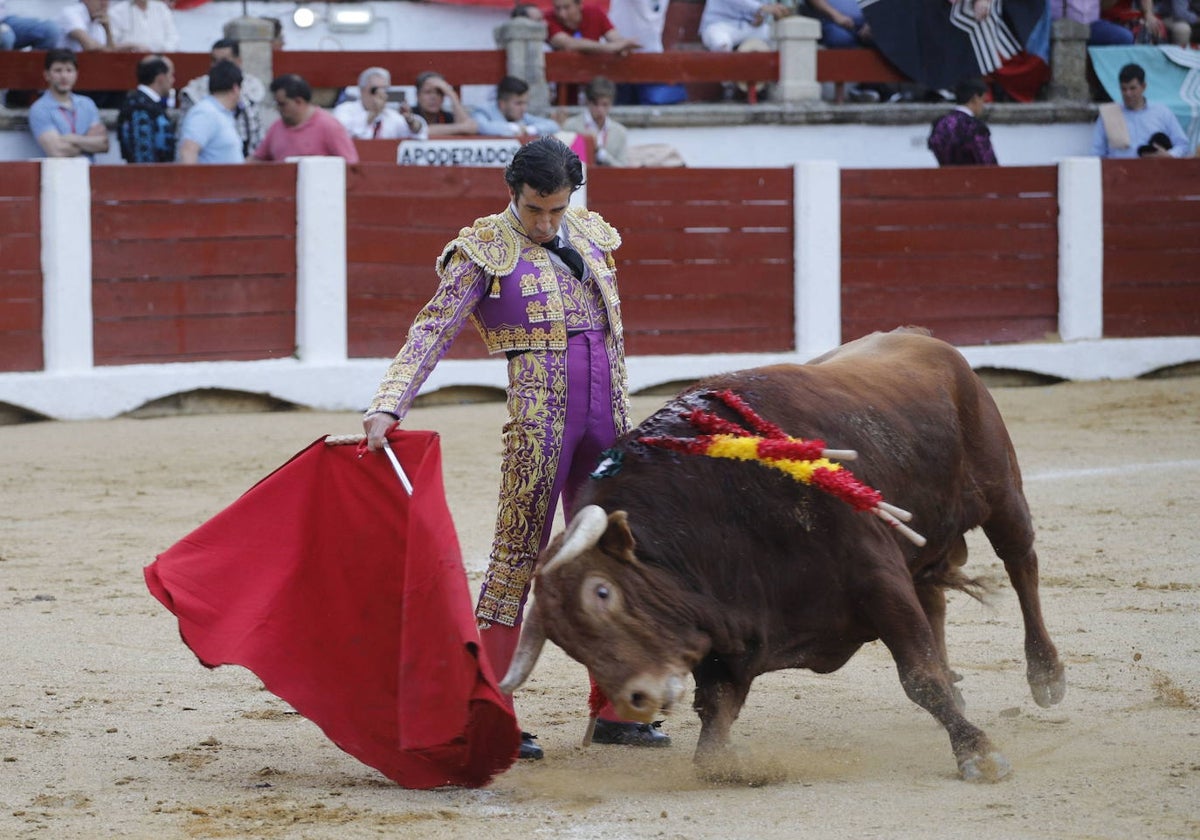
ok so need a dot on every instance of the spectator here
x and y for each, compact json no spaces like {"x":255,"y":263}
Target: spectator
{"x":433,"y":95}
{"x":143,"y":26}
{"x":609,"y":135}
{"x":248,"y":115}
{"x":1180,"y":20}
{"x":641,"y":20}
{"x":960,"y":138}
{"x":64,"y":123}
{"x":17,"y":33}
{"x":144,"y":128}
{"x":370,"y":118}
{"x":1138,"y":17}
{"x":303,"y":129}
{"x":577,"y":28}
{"x":1101,"y":32}
{"x":85,"y":27}
{"x":510,"y":116}
{"x":1137,"y":128}
{"x":208,"y":133}
{"x":725,"y":24}
{"x":843,"y":23}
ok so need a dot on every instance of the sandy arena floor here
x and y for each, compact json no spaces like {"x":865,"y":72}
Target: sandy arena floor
{"x":109,"y":727}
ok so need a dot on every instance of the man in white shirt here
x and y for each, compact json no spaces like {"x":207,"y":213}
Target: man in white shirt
{"x":85,"y":27}
{"x":144,"y":26}
{"x":370,"y":118}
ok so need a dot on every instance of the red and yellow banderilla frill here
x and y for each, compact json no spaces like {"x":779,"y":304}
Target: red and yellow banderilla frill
{"x":806,"y":461}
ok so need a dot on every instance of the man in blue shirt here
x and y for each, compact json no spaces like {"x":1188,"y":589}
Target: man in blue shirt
{"x":64,"y":123}
{"x":208,"y":133}
{"x":1153,"y":131}
{"x":510,"y":116}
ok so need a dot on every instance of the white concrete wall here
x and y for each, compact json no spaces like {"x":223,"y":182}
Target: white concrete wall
{"x":857,"y":146}
{"x":322,"y":377}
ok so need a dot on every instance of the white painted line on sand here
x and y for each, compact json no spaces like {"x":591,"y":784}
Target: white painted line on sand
{"x":1092,"y":472}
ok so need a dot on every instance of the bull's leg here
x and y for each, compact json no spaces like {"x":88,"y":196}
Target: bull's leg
{"x":1010,"y":531}
{"x":933,"y":602}
{"x":898,"y":617}
{"x":718,"y":702}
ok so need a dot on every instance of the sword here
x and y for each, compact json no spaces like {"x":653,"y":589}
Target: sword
{"x":400,"y":474}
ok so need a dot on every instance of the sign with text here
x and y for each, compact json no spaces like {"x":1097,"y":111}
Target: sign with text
{"x":487,"y":152}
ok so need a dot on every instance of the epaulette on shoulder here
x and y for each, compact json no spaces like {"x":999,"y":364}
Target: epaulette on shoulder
{"x":593,"y":226}
{"x":490,"y":243}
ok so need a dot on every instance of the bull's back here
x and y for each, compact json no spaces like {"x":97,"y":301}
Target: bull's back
{"x":927,"y":432}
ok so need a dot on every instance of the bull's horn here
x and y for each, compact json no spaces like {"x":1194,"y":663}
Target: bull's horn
{"x":585,"y":531}
{"x":529,"y":648}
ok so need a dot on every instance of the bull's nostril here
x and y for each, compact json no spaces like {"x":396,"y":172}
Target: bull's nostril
{"x":637,"y":699}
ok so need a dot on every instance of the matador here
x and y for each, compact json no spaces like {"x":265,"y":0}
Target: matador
{"x":538,"y":281}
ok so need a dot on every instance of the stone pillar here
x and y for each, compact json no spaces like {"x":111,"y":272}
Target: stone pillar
{"x":524,"y":44}
{"x":254,"y":37}
{"x":797,"y":39}
{"x":1069,"y":61}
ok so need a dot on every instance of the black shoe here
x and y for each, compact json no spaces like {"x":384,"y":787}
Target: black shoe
{"x":630,"y":734}
{"x":529,"y":749}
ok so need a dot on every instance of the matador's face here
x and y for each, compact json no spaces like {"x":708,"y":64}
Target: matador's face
{"x":540,"y":214}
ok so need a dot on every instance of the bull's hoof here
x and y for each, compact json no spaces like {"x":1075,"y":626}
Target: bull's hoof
{"x":1048,"y":689}
{"x":984,"y":768}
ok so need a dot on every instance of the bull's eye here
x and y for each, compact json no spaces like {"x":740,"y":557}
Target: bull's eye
{"x":599,"y":596}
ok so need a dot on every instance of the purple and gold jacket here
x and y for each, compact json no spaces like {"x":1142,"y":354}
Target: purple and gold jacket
{"x":515,"y":294}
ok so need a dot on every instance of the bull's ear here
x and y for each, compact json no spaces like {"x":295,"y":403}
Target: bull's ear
{"x":617,"y":540}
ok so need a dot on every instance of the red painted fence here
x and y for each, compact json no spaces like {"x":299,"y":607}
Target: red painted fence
{"x":199,"y":263}
{"x":970,"y":252}
{"x":20,"y":267}
{"x":193,"y":263}
{"x":1151,"y":248}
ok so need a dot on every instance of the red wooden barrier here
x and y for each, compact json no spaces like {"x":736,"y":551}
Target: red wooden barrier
{"x":398,"y":219}
{"x":23,"y":70}
{"x":691,"y":240}
{"x":706,"y":260}
{"x":193,"y":263}
{"x":970,"y":252}
{"x":687,"y":62}
{"x":20,"y":267}
{"x":1151,"y":247}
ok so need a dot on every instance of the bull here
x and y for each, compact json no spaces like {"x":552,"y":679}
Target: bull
{"x":674,"y":563}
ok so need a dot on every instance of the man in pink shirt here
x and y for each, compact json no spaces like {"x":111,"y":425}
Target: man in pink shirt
{"x":303,"y":128}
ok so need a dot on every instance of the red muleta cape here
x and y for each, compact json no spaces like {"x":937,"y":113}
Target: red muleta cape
{"x":348,"y":600}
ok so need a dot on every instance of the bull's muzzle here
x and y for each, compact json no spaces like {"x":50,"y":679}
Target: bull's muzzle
{"x":646,"y":696}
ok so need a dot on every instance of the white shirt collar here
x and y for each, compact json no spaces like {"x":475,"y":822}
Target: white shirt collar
{"x":151,"y":92}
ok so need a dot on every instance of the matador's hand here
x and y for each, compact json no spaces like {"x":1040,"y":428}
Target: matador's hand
{"x":377,"y":426}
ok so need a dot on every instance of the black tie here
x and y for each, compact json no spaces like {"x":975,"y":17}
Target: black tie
{"x":568,"y":255}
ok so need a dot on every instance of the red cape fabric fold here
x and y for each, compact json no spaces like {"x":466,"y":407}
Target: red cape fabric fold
{"x":348,"y":600}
